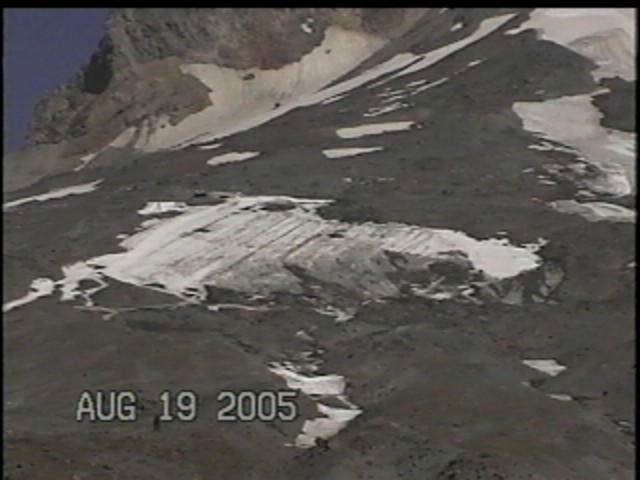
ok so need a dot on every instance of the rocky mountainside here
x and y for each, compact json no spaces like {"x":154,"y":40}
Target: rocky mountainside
{"x":135,"y":75}
{"x":410,"y":231}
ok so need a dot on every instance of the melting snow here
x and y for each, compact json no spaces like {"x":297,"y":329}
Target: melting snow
{"x":326,"y":427}
{"x":53,"y":194}
{"x":239,"y":105}
{"x":76,"y":273}
{"x":335,"y":419}
{"x":550,"y":367}
{"x":320,"y":385}
{"x":257,"y":244}
{"x":40,"y":287}
{"x":157,"y":208}
{"x":575,"y":122}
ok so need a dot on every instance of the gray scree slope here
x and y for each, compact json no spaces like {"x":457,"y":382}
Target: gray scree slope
{"x":428,"y":341}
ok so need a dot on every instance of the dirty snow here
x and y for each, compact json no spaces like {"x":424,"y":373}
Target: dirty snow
{"x":252,"y":243}
{"x":54,"y":194}
{"x":40,"y":287}
{"x":231,"y":157}
{"x":575,"y":122}
{"x":333,"y":386}
{"x":349,"y":152}
{"x":373,"y":129}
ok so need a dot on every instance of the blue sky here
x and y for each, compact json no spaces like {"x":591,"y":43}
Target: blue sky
{"x":43,"y":47}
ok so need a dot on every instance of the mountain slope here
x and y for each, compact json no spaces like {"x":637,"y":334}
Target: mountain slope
{"x":405,"y":234}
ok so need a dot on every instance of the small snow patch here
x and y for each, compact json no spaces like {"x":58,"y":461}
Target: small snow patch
{"x":326,"y":427}
{"x":157,"y":208}
{"x":563,"y":397}
{"x":320,"y":385}
{"x":473,"y":63}
{"x":373,"y":129}
{"x":53,"y":194}
{"x":550,"y":367}
{"x":211,"y":146}
{"x":84,"y":161}
{"x":231,"y":157}
{"x":349,"y":152}
{"x":544,"y":181}
{"x":40,"y":287}
{"x":377,"y":111}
